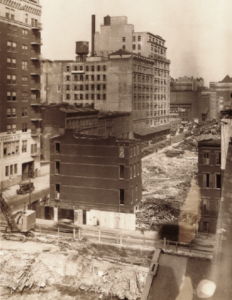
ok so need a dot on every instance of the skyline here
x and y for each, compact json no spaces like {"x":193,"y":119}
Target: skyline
{"x":199,"y":47}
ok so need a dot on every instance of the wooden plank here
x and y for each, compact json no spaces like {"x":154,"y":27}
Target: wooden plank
{"x":150,"y":275}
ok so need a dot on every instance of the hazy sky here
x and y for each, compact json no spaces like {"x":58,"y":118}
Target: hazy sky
{"x":198,"y":33}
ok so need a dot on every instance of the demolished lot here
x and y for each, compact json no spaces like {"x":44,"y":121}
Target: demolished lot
{"x":167,"y":178}
{"x":95,"y":269}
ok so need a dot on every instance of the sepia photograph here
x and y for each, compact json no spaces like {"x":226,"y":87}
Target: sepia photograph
{"x":115,"y":150}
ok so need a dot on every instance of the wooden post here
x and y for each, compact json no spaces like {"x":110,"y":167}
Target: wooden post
{"x":74,"y":233}
{"x":99,"y":235}
{"x":79,"y":233}
{"x":164,"y":243}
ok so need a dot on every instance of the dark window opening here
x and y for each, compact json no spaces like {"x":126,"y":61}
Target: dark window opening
{"x":57,"y":167}
{"x":218,"y":181}
{"x":57,"y":148}
{"x":57,"y":191}
{"x":121,"y":172}
{"x":121,"y":197}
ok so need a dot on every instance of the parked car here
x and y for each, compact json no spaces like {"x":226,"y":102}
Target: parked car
{"x":25,"y":188}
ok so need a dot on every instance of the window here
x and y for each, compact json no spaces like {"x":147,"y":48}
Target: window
{"x":24,"y":96}
{"x":104,"y":87}
{"x":67,"y":97}
{"x":11,"y":112}
{"x":137,"y":149}
{"x":81,"y":68}
{"x":134,"y":170}
{"x":131,"y":151}
{"x":67,"y":87}
{"x":104,"y":96}
{"x":7,"y":13}
{"x":24,"y":80}
{"x":218,"y":181}
{"x":86,"y":87}
{"x":58,"y":88}
{"x":98,"y":77}
{"x":205,"y":226}
{"x":131,"y":172}
{"x":207,"y":180}
{"x":134,"y":38}
{"x":87,"y":68}
{"x":81,"y":87}
{"x":57,"y":163}
{"x":92,"y":87}
{"x":12,"y":14}
{"x":67,"y":68}
{"x":24,"y":49}
{"x":138,"y":168}
{"x":121,"y":171}
{"x":24,"y":146}
{"x":86,"y":96}
{"x":7,"y":171}
{"x":136,"y":193}
{"x":134,"y":47}
{"x":134,"y":150}
{"x":11,"y":79}
{"x":121,"y":193}
{"x":98,"y":68}
{"x":104,"y":78}
{"x":24,"y":127}
{"x":11,"y":63}
{"x":139,"y":38}
{"x":92,"y":77}
{"x":206,"y":203}
{"x":24,"y":65}
{"x":104,"y":68}
{"x":92,"y":68}
{"x":92,"y":96}
{"x":33,"y":148}
{"x":218,"y":158}
{"x":98,"y":87}
{"x":57,"y":191}
{"x":24,"y":112}
{"x":132,"y":196}
{"x":26,"y":18}
{"x":123,"y":47}
{"x":121,"y":152}
{"x":81,"y":96}
{"x":206,"y":158}
{"x":98,"y":96}
{"x":24,"y":33}
{"x":15,"y":169}
{"x":139,"y":48}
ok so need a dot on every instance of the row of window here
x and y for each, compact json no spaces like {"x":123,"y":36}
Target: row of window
{"x":11,"y":128}
{"x":91,"y":68}
{"x":11,"y":46}
{"x":11,"y":170}
{"x":11,"y":63}
{"x":206,"y":159}
{"x":86,"y":97}
{"x":82,"y":87}
{"x":86,"y":77}
{"x":143,"y":96}
{"x":11,"y":96}
{"x":10,"y":14}
{"x":211,"y":180}
{"x":11,"y":112}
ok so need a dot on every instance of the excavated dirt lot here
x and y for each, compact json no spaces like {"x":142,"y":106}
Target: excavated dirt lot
{"x":168,"y":177}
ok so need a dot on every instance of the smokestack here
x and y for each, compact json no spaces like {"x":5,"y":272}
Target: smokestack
{"x":93,"y":33}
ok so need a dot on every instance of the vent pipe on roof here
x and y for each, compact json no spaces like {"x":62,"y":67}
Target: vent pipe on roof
{"x":93,"y":34}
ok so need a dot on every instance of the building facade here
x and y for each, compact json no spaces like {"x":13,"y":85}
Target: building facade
{"x":223,"y":89}
{"x":20,"y":42}
{"x":186,"y":83}
{"x":94,"y":174}
{"x":210,"y":183}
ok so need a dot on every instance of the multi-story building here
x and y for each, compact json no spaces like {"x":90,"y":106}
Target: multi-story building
{"x":20,"y":117}
{"x":209,"y":178}
{"x":207,"y":106}
{"x":121,"y":79}
{"x":223,"y":89}
{"x":186,"y":83}
{"x":95,"y":177}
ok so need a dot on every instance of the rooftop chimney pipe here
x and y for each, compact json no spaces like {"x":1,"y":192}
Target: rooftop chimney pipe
{"x":93,"y":33}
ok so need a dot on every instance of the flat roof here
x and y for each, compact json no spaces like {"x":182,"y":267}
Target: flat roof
{"x":146,"y":131}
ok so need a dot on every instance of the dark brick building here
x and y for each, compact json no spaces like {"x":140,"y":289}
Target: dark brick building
{"x":20,"y":117}
{"x":94,"y":173}
{"x":209,"y":183}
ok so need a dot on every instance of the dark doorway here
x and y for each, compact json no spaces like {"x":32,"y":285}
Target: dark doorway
{"x":65,"y":214}
{"x":49,"y":213}
{"x":28,"y":170}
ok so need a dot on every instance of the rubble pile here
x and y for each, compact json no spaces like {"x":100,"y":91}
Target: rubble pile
{"x":167,"y":177}
{"x":80,"y":272}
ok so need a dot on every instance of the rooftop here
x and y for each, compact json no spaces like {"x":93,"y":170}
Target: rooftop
{"x":146,"y":131}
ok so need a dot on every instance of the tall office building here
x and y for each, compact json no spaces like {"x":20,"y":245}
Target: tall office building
{"x":20,"y":42}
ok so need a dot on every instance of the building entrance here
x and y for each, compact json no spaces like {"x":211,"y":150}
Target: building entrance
{"x":28,"y":170}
